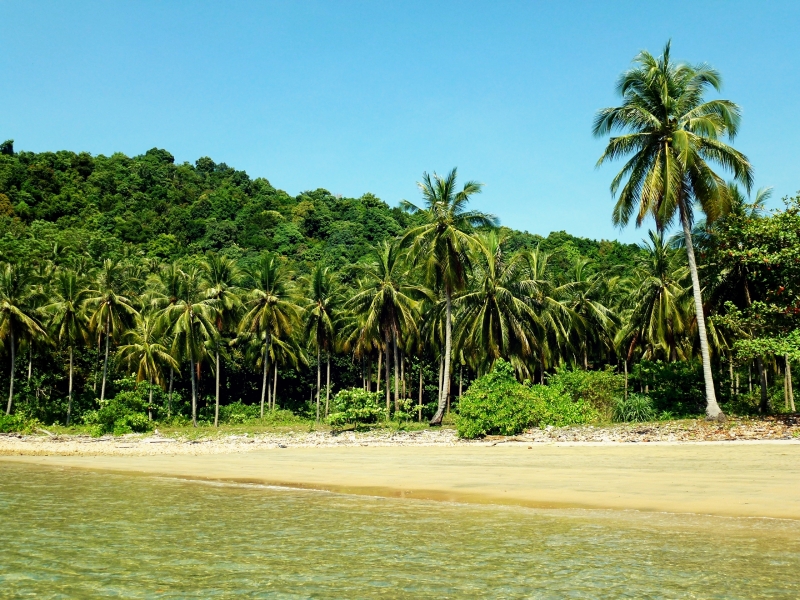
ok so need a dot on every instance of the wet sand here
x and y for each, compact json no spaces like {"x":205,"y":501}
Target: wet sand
{"x":749,"y":479}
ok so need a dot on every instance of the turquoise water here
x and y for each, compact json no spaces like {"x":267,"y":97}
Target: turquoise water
{"x":78,"y":534}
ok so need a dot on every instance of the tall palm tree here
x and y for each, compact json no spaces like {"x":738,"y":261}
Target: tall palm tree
{"x":190,"y":322}
{"x":221,"y":285}
{"x":145,"y":352}
{"x":673,"y":135}
{"x":320,"y":329}
{"x":112,"y":311}
{"x":272,"y":312}
{"x":387,"y":303}
{"x":585,"y":299}
{"x":165,"y":288}
{"x":17,"y":313}
{"x":441,"y":246}
{"x":68,"y":320}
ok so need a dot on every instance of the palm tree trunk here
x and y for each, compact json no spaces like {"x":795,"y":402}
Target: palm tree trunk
{"x":403,"y":394}
{"x":13,"y":365}
{"x":275,"y":388}
{"x":216,"y":405}
{"x":69,"y":403}
{"x":764,"y":406}
{"x":419,"y":406}
{"x":713,"y":411}
{"x":169,"y":394}
{"x":396,"y":374}
{"x":789,"y":384}
{"x":30,"y":359}
{"x":625,"y":366}
{"x":319,"y":381}
{"x":388,"y":393}
{"x":150,"y":399}
{"x":105,"y":365}
{"x":380,"y":358}
{"x":194,"y":390}
{"x":328,"y":387}
{"x":448,"y":347}
{"x":97,"y":364}
{"x":730,"y":373}
{"x":264,"y":378}
{"x":441,"y":374}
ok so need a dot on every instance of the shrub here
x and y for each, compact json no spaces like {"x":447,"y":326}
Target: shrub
{"x":17,"y":423}
{"x":125,"y":413}
{"x":497,"y":404}
{"x":636,"y":408}
{"x":598,"y":388}
{"x":677,"y":387}
{"x":237,"y":413}
{"x":357,"y":407}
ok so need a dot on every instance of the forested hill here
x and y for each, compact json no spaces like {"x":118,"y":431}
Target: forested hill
{"x":68,"y":207}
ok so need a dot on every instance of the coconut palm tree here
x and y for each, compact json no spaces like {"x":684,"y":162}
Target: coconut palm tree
{"x":112,"y":312}
{"x":440,"y":245}
{"x":221,"y":285}
{"x":146,"y":353}
{"x":68,"y":320}
{"x":17,"y":313}
{"x":320,"y":329}
{"x":165,"y":288}
{"x":272,"y":312}
{"x":674,"y":136}
{"x":190,"y":322}
{"x":387,"y":303}
{"x":585,"y":293}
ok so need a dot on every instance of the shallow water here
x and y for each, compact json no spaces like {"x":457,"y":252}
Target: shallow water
{"x":81,"y":534}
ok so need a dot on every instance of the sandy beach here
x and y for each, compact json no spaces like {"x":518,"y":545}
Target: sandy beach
{"x":742,"y":478}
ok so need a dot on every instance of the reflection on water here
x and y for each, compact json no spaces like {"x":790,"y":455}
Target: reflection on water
{"x":75,"y":534}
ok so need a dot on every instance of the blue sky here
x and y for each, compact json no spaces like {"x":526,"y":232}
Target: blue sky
{"x":365,"y":96}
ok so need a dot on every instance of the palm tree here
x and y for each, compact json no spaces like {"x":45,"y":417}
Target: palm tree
{"x":271,"y":309}
{"x":320,"y":329}
{"x":112,"y":310}
{"x":68,"y":320}
{"x":220,"y":285}
{"x":585,"y":291}
{"x":146,"y":353}
{"x":190,"y":321}
{"x":441,"y":244}
{"x":387,"y":304}
{"x":673,"y":135}
{"x":17,"y":315}
{"x":165,"y":287}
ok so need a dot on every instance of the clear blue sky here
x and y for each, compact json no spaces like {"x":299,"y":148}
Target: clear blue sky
{"x":365,"y":96}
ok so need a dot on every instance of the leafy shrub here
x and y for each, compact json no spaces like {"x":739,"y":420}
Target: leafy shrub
{"x":124,"y":413}
{"x":497,"y":404}
{"x":677,"y":387}
{"x":357,"y":407}
{"x":17,"y":423}
{"x":237,"y":413}
{"x":599,"y":388}
{"x":636,"y":408}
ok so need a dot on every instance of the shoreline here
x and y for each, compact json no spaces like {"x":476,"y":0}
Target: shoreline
{"x":735,"y":479}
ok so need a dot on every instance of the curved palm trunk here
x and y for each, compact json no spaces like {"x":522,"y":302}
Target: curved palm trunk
{"x":264,"y":378}
{"x":275,"y":388}
{"x":388,"y":391}
{"x":396,"y":376}
{"x":194,"y":390}
{"x":319,"y":381}
{"x":328,"y":387}
{"x":448,"y":343}
{"x":216,"y":405}
{"x":419,"y":406}
{"x":713,"y":411}
{"x":69,"y":403}
{"x":13,"y":365}
{"x":30,"y":359}
{"x":105,"y":366}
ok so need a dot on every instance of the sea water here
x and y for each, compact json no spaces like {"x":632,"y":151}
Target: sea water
{"x":68,"y":533}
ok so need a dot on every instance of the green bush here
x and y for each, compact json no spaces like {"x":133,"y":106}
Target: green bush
{"x":599,"y":388}
{"x":677,"y":387}
{"x":237,"y":413}
{"x":17,"y":423}
{"x":356,"y":407}
{"x":497,"y":404}
{"x":636,"y":408}
{"x":124,"y":413}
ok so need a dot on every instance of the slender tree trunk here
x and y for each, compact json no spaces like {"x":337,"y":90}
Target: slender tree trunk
{"x":448,"y":348}
{"x":319,"y":381}
{"x":369,"y":374}
{"x":69,"y":403}
{"x":396,"y":374}
{"x":194,"y":390}
{"x":419,"y":406}
{"x":216,"y":405}
{"x":789,"y":384}
{"x":388,"y":391}
{"x":625,"y":367}
{"x":328,"y":387}
{"x":764,"y":406}
{"x":380,"y":358}
{"x":269,"y":391}
{"x":403,"y":374}
{"x":713,"y":411}
{"x":11,"y":378}
{"x":264,"y":376}
{"x":460,"y":381}
{"x":275,"y":388}
{"x":730,"y":372}
{"x":169,"y":394}
{"x":30,"y":360}
{"x":785,"y":385}
{"x":150,"y":399}
{"x":97,"y":364}
{"x":105,"y":366}
{"x":441,"y":381}
{"x":738,"y":389}
{"x":750,"y":377}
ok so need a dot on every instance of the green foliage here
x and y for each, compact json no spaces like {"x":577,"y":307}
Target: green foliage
{"x":636,"y":408}
{"x":599,"y":389}
{"x":673,"y":386}
{"x":356,"y":407}
{"x":17,"y":423}
{"x":237,"y":413}
{"x":497,"y":404}
{"x":124,"y":413}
